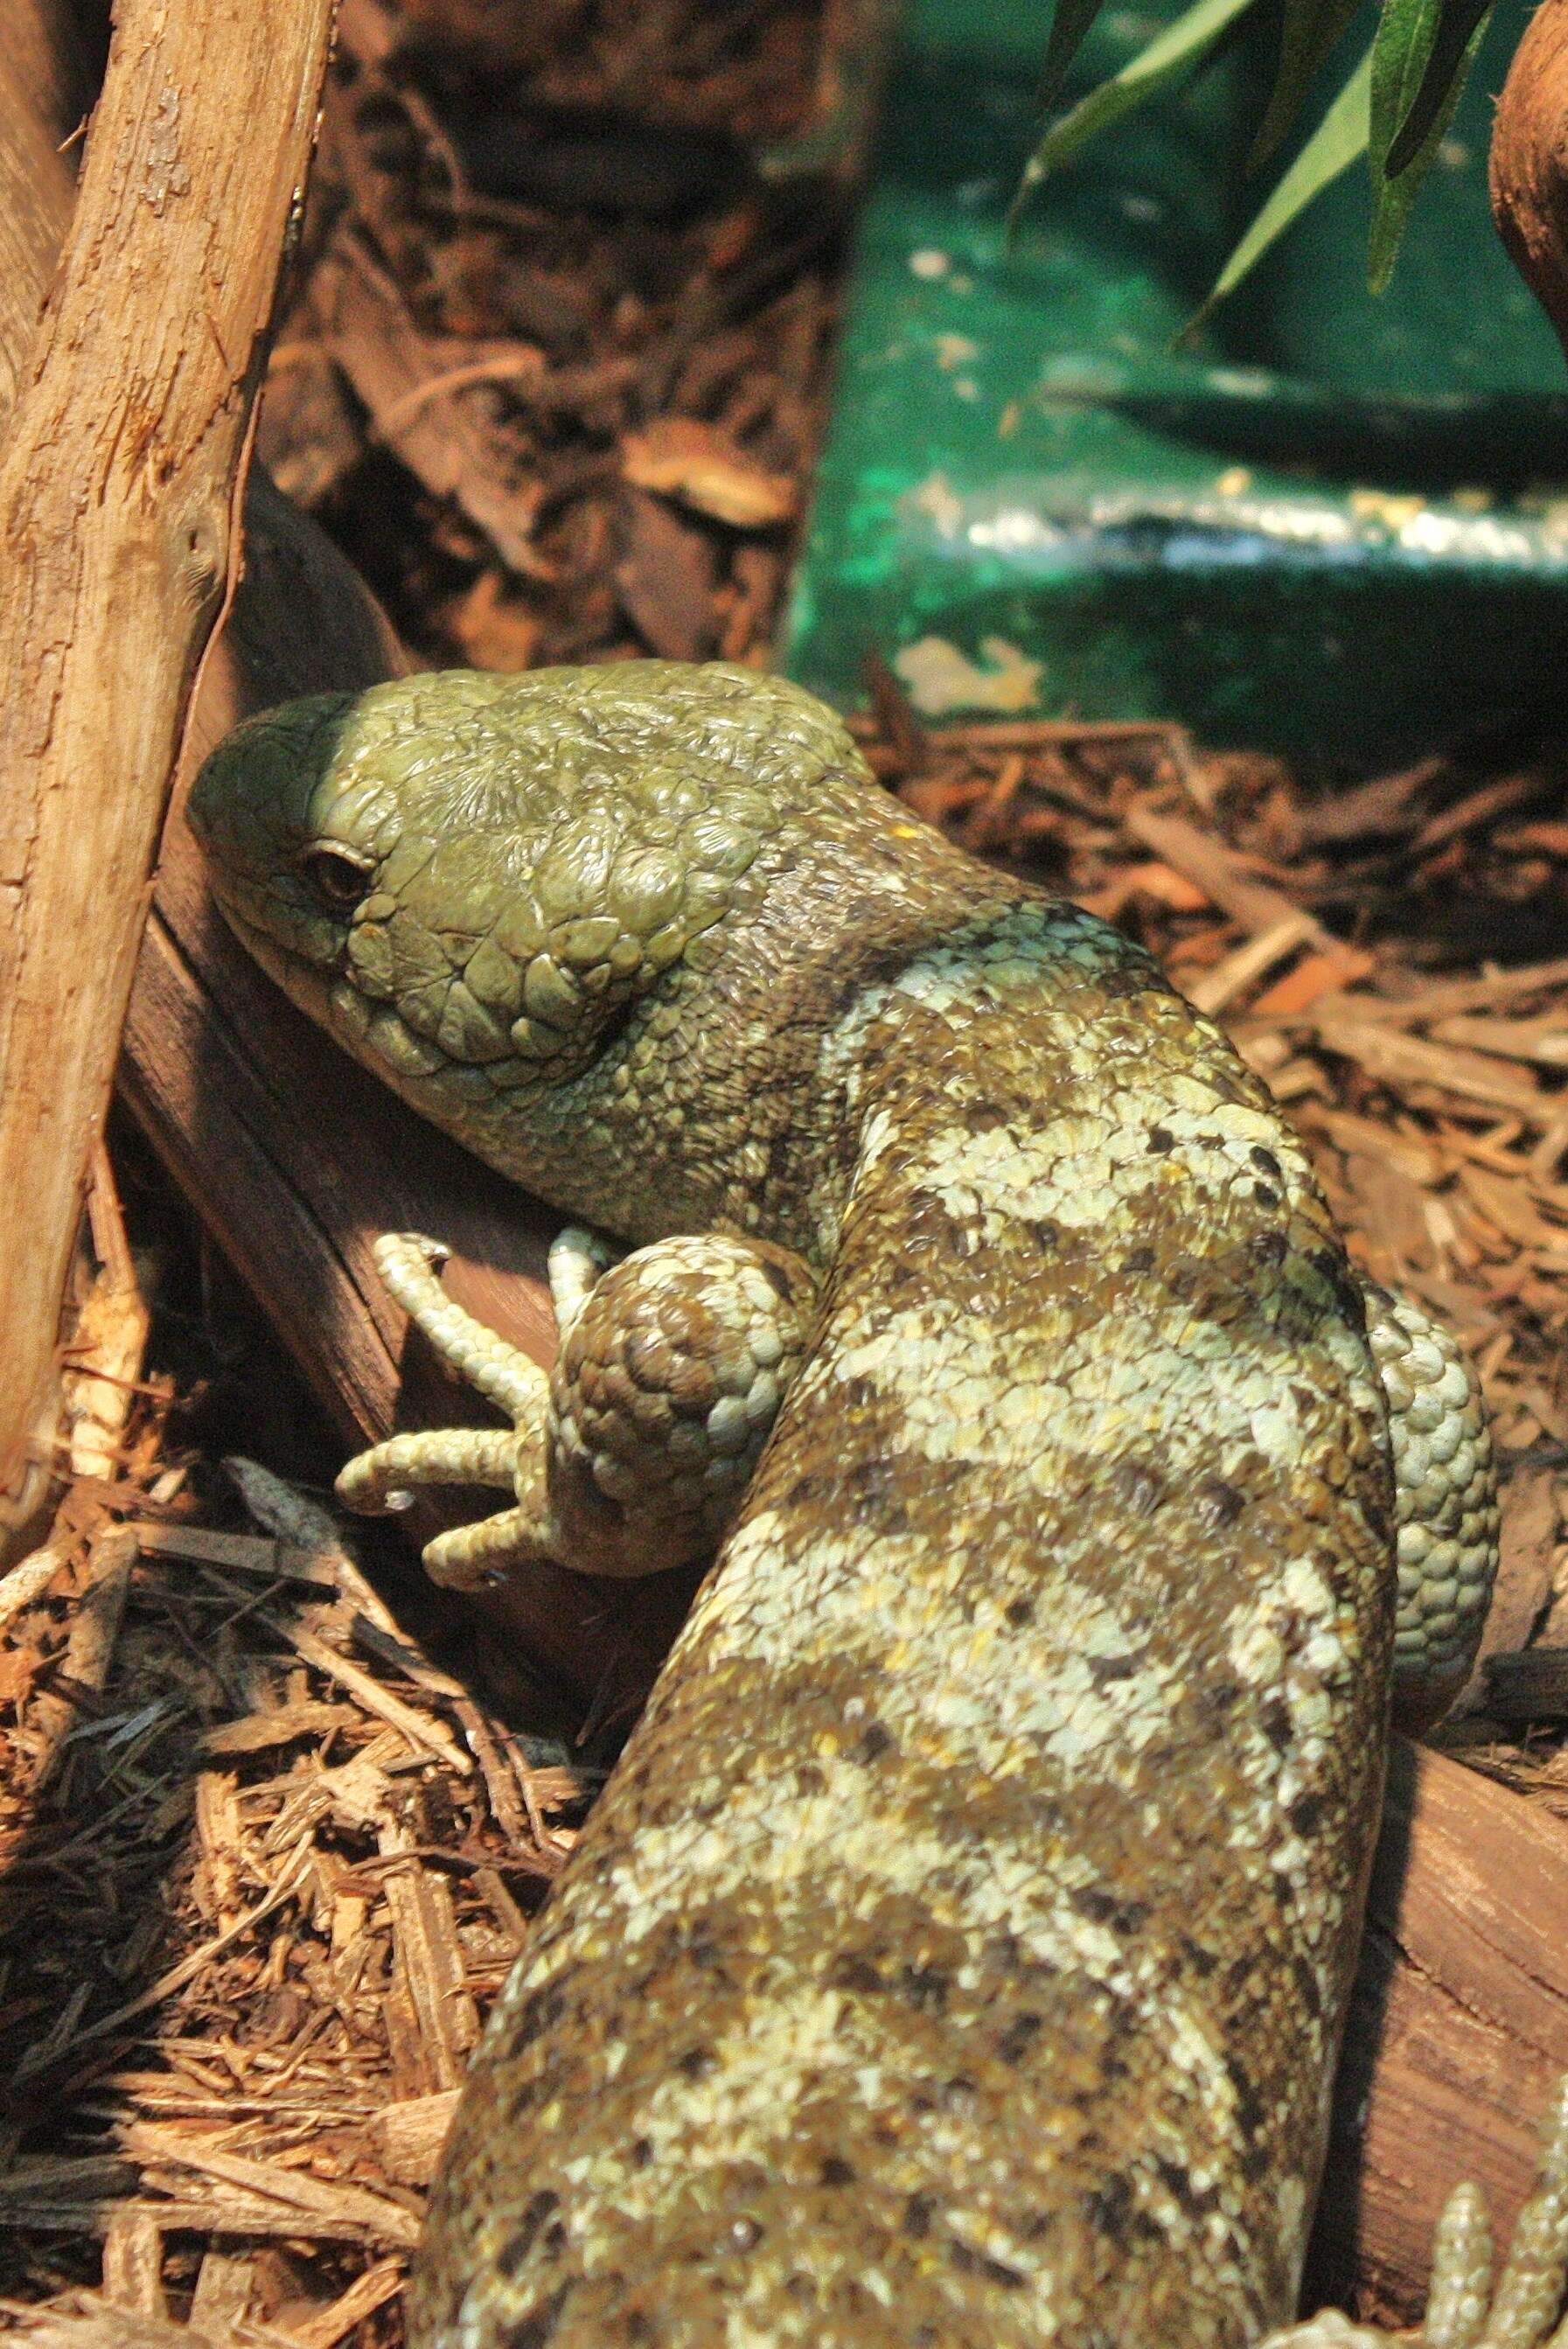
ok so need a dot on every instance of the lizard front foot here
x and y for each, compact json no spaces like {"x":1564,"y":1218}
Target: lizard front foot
{"x":632,"y":1455}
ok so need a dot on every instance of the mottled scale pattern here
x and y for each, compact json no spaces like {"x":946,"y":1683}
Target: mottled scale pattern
{"x":632,"y":1455}
{"x":665,"y":1387}
{"x":959,"y":1952}
{"x":1447,"y":1513}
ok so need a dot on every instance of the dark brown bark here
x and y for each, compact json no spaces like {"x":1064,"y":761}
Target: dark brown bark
{"x":1530,"y":162}
{"x":1458,"y":2029}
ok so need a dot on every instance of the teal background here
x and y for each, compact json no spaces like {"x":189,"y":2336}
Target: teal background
{"x":1329,"y":522}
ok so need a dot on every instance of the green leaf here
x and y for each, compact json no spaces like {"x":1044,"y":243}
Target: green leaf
{"x":1339,"y":140}
{"x":1070,"y":23}
{"x":1311,"y":29}
{"x":1406,"y":40}
{"x":1406,"y":31}
{"x":1173,"y":53}
{"x":1457,"y":27}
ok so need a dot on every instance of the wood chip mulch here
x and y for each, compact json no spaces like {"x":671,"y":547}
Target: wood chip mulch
{"x":264,"y":1857}
{"x":262,"y":1865}
{"x":555,"y":371}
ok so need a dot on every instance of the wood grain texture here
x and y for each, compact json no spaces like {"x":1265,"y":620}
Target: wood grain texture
{"x":1457,"y":2026}
{"x":116,"y":484}
{"x":39,"y":93}
{"x":42,"y":93}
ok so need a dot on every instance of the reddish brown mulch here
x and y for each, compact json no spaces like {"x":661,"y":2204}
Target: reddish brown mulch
{"x":264,"y":1860}
{"x":555,"y":372}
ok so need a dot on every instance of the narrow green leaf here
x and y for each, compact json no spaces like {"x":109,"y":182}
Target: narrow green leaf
{"x":1175,"y":52}
{"x":1445,"y":60}
{"x":1394,"y":85}
{"x":1070,"y":23}
{"x":1337,"y":142}
{"x":1407,"y":30}
{"x":1310,"y":31}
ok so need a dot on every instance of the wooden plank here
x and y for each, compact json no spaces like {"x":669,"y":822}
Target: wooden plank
{"x":1458,"y":2029}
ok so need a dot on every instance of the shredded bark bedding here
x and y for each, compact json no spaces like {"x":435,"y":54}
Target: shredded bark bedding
{"x":264,"y":1858}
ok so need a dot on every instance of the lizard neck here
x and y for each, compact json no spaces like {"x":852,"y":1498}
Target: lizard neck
{"x":733,"y":1103}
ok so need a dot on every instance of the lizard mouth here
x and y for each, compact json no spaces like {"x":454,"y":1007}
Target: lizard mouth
{"x":372,"y":1032}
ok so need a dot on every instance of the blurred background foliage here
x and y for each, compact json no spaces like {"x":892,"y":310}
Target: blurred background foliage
{"x":1398,"y":72}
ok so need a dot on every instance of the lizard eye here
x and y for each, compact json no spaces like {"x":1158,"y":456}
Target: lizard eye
{"x":340,"y":876}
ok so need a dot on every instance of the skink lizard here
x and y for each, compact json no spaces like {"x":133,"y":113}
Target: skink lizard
{"x":959,"y":1953}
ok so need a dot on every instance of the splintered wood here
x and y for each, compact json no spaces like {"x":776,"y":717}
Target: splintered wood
{"x":117,"y":474}
{"x":261,"y":1865}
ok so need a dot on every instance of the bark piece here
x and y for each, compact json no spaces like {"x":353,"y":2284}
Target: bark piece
{"x":435,"y":426}
{"x":704,"y":469}
{"x":116,"y":484}
{"x":1457,"y":2028}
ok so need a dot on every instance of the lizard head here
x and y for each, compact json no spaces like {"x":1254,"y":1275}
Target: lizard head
{"x":485,"y":879}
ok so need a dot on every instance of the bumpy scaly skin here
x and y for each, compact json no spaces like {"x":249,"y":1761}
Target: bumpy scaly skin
{"x":634,"y":1454}
{"x":387,"y":1477}
{"x":667,"y":1385}
{"x":959,"y":1953}
{"x":1446,"y":1505}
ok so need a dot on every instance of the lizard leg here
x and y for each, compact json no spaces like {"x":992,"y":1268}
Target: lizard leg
{"x":385,"y":1478}
{"x":477,"y":1556}
{"x":669,"y":1378}
{"x":1463,"y":2311}
{"x":634,"y":1454}
{"x":407,"y":1263}
{"x":511,"y":1460}
{"x":1446,"y":1509}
